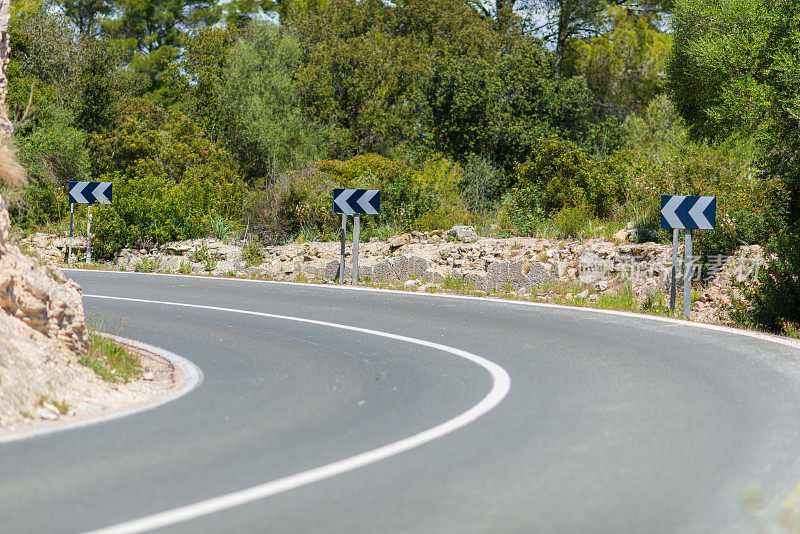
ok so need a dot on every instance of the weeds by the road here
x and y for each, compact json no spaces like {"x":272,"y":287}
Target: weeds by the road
{"x":110,"y":360}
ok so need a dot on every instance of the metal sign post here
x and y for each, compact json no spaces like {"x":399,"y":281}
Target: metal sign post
{"x":689,"y":213}
{"x":673,"y":289}
{"x":71,"y":217}
{"x":356,"y":221}
{"x":89,"y":233}
{"x":343,"y":238}
{"x":354,"y":202}
{"x":687,"y":274}
{"x":87,"y":193}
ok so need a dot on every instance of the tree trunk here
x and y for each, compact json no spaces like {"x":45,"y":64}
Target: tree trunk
{"x":563,"y":35}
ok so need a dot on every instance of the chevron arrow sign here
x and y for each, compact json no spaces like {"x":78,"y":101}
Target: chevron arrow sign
{"x":89,"y":192}
{"x":357,"y":201}
{"x":688,"y":212}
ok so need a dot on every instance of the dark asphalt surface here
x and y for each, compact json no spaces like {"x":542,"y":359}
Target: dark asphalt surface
{"x":612,"y":424}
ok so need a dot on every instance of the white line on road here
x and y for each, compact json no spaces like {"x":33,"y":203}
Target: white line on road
{"x":501,"y":384}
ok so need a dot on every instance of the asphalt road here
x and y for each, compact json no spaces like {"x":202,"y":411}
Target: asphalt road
{"x":612,"y":424}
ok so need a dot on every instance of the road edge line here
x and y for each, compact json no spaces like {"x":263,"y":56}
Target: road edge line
{"x":501,"y":385}
{"x":755,"y":334}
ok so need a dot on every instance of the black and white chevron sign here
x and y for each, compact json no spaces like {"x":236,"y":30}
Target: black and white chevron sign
{"x":688,"y":212}
{"x":90,"y":192}
{"x":357,"y":201}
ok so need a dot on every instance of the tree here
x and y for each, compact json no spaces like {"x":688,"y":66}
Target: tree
{"x":494,"y":95}
{"x":87,"y":14}
{"x":258,"y":94}
{"x":720,"y":56}
{"x":170,"y":182}
{"x":734,"y":71}
{"x":358,"y":75}
{"x":154,"y":31}
{"x":624,"y":66}
{"x":562,"y":21}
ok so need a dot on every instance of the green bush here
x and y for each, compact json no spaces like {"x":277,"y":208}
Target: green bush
{"x":169,"y":181}
{"x":482,"y":183}
{"x":661,"y":159}
{"x":52,"y":155}
{"x":560,"y":176}
{"x":572,"y":220}
{"x":775,"y":298}
{"x":422,"y":196}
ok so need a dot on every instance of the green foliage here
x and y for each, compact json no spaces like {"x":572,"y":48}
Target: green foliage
{"x":193,"y":81}
{"x":482,"y":184}
{"x":433,"y":74}
{"x":775,"y":298}
{"x":222,"y":228}
{"x":146,"y":265}
{"x":660,"y":158}
{"x":153,"y":32}
{"x":498,"y":101}
{"x":624,"y":66}
{"x":200,"y":253}
{"x":169,"y":181}
{"x":253,"y":253}
{"x":358,"y":75}
{"x":52,"y":156}
{"x":716,"y":71}
{"x":423,"y":195}
{"x":86,"y":14}
{"x":560,"y":175}
{"x":111,"y":361}
{"x":572,"y":220}
{"x":259,"y":92}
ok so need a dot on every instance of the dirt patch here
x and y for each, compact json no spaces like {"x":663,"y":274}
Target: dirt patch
{"x":80,"y":395}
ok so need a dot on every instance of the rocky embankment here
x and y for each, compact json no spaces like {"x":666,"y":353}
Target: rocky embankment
{"x":43,"y":335}
{"x":541,"y":269}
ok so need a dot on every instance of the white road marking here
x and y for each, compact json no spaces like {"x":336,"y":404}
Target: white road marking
{"x":501,"y":384}
{"x":772,"y":338}
{"x":498,"y":301}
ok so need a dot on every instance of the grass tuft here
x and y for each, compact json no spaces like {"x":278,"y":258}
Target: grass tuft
{"x":111,"y":361}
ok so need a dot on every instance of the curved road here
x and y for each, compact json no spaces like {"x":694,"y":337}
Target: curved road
{"x":612,"y":423}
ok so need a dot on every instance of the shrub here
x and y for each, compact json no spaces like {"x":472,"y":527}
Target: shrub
{"x":422,"y":196}
{"x":146,"y":265}
{"x":775,"y":298}
{"x":253,"y":253}
{"x":661,"y":159}
{"x":482,"y":183}
{"x":559,"y":176}
{"x":170,"y":183}
{"x":52,"y":155}
{"x":572,"y":220}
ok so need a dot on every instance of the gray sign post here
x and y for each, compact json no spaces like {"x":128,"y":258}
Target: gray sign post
{"x":354,"y":202}
{"x":689,"y":213}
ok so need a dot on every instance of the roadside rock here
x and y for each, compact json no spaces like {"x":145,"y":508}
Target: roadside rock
{"x":40,"y":297}
{"x":465,"y":234}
